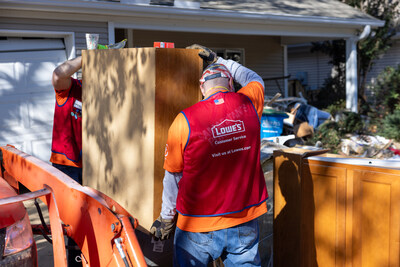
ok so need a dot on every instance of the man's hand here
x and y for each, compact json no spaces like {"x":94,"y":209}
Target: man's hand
{"x":162,"y":229}
{"x":206,"y":54}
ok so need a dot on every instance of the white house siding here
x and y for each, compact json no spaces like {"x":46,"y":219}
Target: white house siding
{"x":390,"y":58}
{"x":315,"y":66}
{"x":79,"y":27}
{"x":263,"y":54}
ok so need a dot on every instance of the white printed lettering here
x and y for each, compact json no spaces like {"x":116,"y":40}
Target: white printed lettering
{"x":227,"y":127}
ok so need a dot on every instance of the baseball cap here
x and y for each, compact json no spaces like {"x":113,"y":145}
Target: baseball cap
{"x":215,"y":70}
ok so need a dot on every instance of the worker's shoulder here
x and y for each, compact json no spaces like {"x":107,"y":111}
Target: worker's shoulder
{"x":253,"y":89}
{"x":252,"y":86}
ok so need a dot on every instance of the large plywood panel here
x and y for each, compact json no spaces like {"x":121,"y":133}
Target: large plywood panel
{"x":118,"y":126}
{"x":177,"y":87}
{"x":131,"y":97}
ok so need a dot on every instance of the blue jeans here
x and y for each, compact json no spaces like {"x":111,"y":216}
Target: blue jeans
{"x":312,"y":115}
{"x":237,"y":246}
{"x":73,"y":172}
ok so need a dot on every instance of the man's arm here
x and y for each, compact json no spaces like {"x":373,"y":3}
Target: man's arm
{"x":245,"y":77}
{"x":241,"y":74}
{"x":164,"y":226}
{"x":170,"y":192}
{"x":62,"y":74}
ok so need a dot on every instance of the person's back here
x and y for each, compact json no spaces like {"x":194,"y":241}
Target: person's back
{"x":224,"y":144}
{"x":213,"y":177}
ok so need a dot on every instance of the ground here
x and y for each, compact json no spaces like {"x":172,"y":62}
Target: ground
{"x":44,"y":248}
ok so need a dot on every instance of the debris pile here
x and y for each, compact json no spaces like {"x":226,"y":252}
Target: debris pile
{"x":368,"y":146}
{"x":305,"y":125}
{"x":290,"y":121}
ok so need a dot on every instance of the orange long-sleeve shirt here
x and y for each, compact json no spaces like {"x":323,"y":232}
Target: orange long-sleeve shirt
{"x":177,"y":138}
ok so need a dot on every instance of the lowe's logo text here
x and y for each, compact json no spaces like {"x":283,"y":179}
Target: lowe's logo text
{"x":227,"y":127}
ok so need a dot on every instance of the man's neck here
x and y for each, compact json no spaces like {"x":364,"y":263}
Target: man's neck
{"x":214,"y":90}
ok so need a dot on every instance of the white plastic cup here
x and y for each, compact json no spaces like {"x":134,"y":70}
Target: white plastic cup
{"x":92,"y":39}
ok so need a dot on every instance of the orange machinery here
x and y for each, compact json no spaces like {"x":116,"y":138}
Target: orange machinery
{"x":102,"y":229}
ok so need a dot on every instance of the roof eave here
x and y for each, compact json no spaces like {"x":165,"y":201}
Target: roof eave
{"x":118,"y":9}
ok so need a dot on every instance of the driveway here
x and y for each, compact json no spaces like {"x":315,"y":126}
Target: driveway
{"x":44,"y":248}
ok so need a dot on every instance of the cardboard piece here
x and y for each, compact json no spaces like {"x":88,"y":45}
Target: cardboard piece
{"x":303,"y":130}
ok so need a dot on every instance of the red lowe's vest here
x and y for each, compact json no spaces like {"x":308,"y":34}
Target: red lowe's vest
{"x":67,"y":126}
{"x":222,"y":172}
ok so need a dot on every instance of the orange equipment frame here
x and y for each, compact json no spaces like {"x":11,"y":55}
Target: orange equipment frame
{"x":102,"y":229}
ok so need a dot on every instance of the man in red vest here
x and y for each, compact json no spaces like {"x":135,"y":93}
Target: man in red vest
{"x":213,"y":176}
{"x":66,"y":148}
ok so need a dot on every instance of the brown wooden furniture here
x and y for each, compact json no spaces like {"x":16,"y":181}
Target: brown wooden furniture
{"x":332,"y":211}
{"x":130,"y":98}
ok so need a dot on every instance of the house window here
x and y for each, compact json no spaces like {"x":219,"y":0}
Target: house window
{"x":236,"y":54}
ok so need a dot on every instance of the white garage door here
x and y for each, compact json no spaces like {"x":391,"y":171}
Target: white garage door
{"x":26,"y":95}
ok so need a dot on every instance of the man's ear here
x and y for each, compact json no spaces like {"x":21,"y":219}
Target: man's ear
{"x":231,"y":86}
{"x":202,"y":89}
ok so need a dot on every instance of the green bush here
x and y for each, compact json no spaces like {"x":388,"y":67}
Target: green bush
{"x":387,"y":91}
{"x":391,"y":126}
{"x":336,"y":107}
{"x":329,"y":135}
{"x":352,"y":123}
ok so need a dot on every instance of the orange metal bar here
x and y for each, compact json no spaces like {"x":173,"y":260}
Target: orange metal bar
{"x":92,"y":219}
{"x":131,"y":243}
{"x":59,"y":252}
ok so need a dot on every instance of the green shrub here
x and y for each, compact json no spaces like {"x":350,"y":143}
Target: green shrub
{"x":329,"y":135}
{"x":336,"y":107}
{"x":387,"y":91}
{"x":352,"y":123}
{"x":391,"y":126}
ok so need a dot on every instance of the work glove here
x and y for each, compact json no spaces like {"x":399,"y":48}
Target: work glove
{"x":162,"y":229}
{"x":208,"y":56}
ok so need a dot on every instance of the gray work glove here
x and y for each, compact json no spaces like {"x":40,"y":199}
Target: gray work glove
{"x":162,"y":229}
{"x":206,"y":54}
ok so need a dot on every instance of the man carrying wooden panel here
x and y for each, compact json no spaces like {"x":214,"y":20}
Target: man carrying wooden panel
{"x":66,"y":147}
{"x":213,"y":177}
